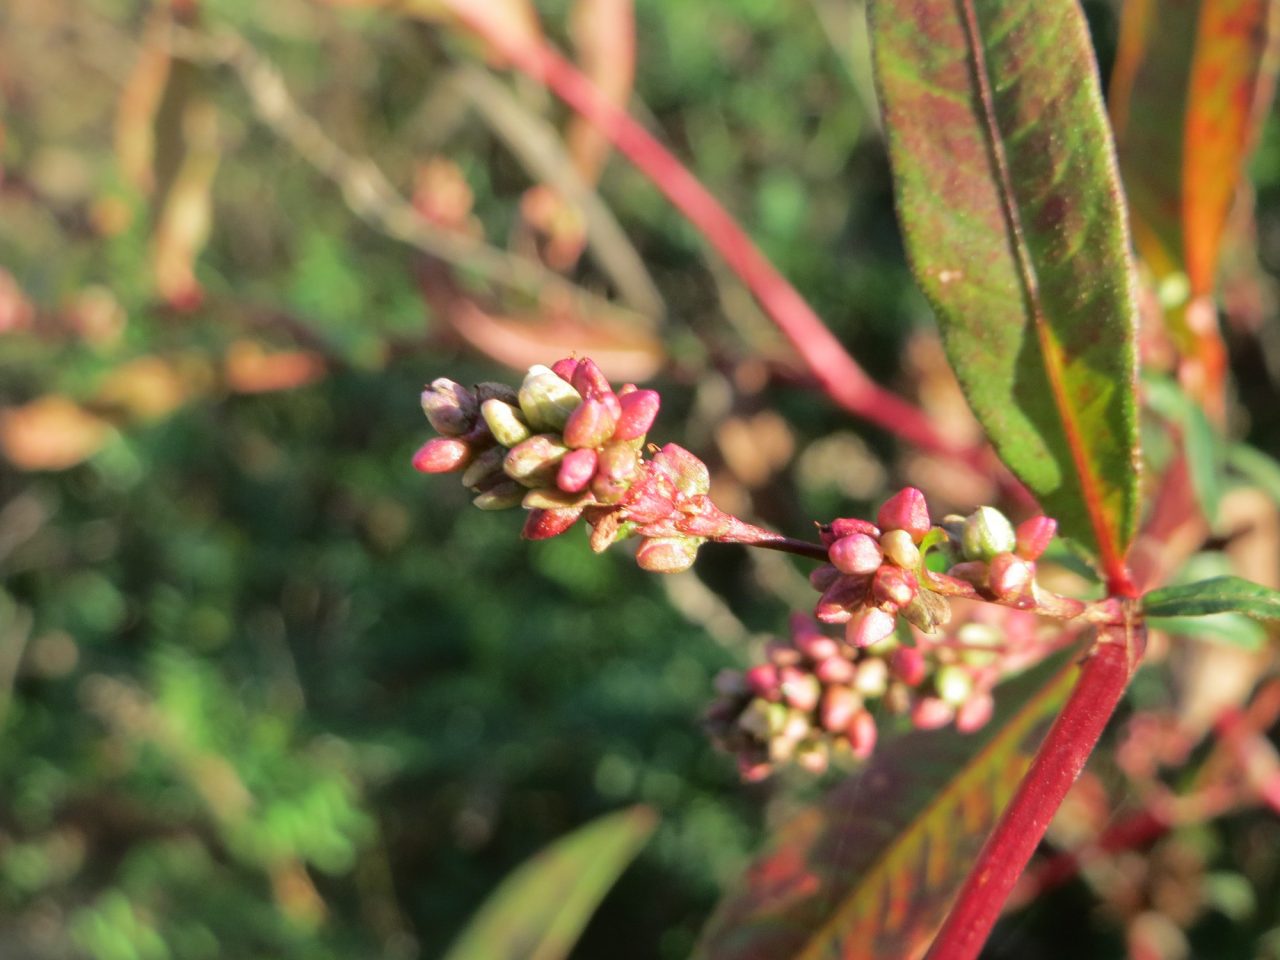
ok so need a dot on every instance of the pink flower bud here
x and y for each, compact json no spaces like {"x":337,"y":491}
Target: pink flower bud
{"x":856,"y":554}
{"x":835,"y":670}
{"x":822,"y":577}
{"x":450,"y":407}
{"x":639,"y":410}
{"x":847,"y":527}
{"x":894,"y":587}
{"x":1033,"y":536}
{"x":906,"y":510}
{"x":762,"y":680}
{"x":870,"y":628}
{"x":442,"y":455}
{"x":907,"y":664}
{"x":840,"y":599}
{"x":545,"y":524}
{"x":1008,"y":576}
{"x":975,"y":713}
{"x":783,"y":654}
{"x":667,"y":554}
{"x":815,"y":645}
{"x":589,"y":380}
{"x":800,"y":689}
{"x":861,"y":734}
{"x":564,"y":368}
{"x":590,"y":425}
{"x":930,"y":713}
{"x":576,"y":470}
{"x":619,"y":461}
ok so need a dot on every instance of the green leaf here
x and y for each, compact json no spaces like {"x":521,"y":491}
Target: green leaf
{"x":871,"y":869}
{"x":1217,"y":595}
{"x":1189,"y":86}
{"x":1014,"y":222}
{"x":1205,"y":457}
{"x":1228,"y":629}
{"x":539,"y":911}
{"x":1256,"y":467}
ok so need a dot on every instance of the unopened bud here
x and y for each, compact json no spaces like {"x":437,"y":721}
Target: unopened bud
{"x":900,"y":549}
{"x":815,"y":645}
{"x":484,"y":469}
{"x":975,"y":713}
{"x":835,"y":670}
{"x":1008,"y":576}
{"x":639,"y":410}
{"x":987,"y":532}
{"x":619,"y":461}
{"x":505,"y":422}
{"x":545,"y":524}
{"x":873,"y":677}
{"x":590,"y":425}
{"x":847,"y":527}
{"x":823,"y":576}
{"x":758,"y":719}
{"x":564,"y":368}
{"x":667,"y":554}
{"x":689,"y":474}
{"x":838,"y":707}
{"x":871,"y":627}
{"x":589,"y":380}
{"x":546,"y":400}
{"x":862,"y":734}
{"x":813,"y":756}
{"x":856,"y":554}
{"x":500,"y":496}
{"x":1033,"y":536}
{"x":576,"y":470}
{"x":907,"y":664}
{"x":800,"y":689}
{"x":906,"y":510}
{"x":552,"y":498}
{"x":534,"y":462}
{"x":893,"y":586}
{"x":762,"y":680}
{"x":954,"y":684}
{"x":442,"y":455}
{"x":449,"y":406}
{"x":931,"y":713}
{"x":840,"y":599}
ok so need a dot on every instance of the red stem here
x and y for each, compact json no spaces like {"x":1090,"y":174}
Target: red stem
{"x":1057,"y":764}
{"x":839,"y":375}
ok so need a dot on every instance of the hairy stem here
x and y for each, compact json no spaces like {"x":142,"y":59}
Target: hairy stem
{"x":1057,"y":764}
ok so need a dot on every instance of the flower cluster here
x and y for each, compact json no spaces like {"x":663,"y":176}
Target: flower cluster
{"x":566,"y":445}
{"x":815,"y":699}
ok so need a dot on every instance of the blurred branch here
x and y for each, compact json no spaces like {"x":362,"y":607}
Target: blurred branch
{"x":365,"y":188}
{"x":541,"y":151}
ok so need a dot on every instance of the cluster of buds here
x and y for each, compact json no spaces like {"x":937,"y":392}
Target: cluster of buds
{"x":566,"y":445}
{"x":815,"y":699}
{"x":997,"y":558}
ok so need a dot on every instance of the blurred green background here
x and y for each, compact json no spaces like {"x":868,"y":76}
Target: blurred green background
{"x":265,"y":691}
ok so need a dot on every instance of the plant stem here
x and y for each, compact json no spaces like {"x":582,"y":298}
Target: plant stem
{"x":1057,"y":764}
{"x":839,"y":375}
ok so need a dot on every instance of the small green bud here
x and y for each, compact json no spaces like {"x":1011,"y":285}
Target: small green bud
{"x":954,"y":684}
{"x":900,"y":549}
{"x":667,"y":554}
{"x":484,"y":467}
{"x":501,"y":496}
{"x":506,"y":422}
{"x":546,"y":399}
{"x":534,"y":462}
{"x":987,"y":532}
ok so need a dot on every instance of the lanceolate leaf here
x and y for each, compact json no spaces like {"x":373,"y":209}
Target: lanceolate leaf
{"x":1191,"y":81}
{"x":1219,"y":595}
{"x":869,"y":872}
{"x":1013,"y":219}
{"x":540,"y":910}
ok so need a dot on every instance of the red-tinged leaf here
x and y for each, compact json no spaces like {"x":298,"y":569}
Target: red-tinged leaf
{"x":1191,"y":83}
{"x":1014,"y":222}
{"x":539,"y":911}
{"x":604,"y":33}
{"x":870,"y":871}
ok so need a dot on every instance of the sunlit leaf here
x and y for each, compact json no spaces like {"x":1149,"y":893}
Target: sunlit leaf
{"x":540,"y":910}
{"x":1217,"y":595}
{"x":869,"y":871}
{"x":1228,"y":629}
{"x":1190,"y":84}
{"x":1205,"y":458}
{"x":1014,"y":223}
